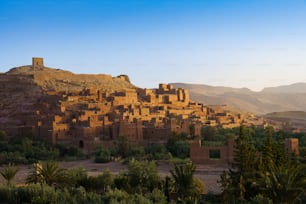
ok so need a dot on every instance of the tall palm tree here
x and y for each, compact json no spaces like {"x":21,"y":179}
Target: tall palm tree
{"x":49,"y":173}
{"x":184,"y":181}
{"x":8,"y":173}
{"x":284,"y":183}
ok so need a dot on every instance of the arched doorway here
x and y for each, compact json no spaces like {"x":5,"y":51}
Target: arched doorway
{"x":81,"y":144}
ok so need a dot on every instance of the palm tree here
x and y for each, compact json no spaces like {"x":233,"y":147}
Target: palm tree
{"x":284,"y":183}
{"x":49,"y":173}
{"x":184,"y":181}
{"x":8,"y":173}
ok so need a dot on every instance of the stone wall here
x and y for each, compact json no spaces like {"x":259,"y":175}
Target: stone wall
{"x":202,"y":154}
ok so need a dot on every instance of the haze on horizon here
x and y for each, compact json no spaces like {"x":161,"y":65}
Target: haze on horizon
{"x":253,"y":44}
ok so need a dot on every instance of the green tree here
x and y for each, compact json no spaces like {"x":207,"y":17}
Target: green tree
{"x":97,"y":183}
{"x":141,"y":177}
{"x":178,"y":145}
{"x":123,"y":146}
{"x":267,"y":149}
{"x":225,"y":184}
{"x":48,"y":172}
{"x":284,"y":183}
{"x":208,"y":133}
{"x":74,"y":176}
{"x":8,"y":173}
{"x":243,"y":170}
{"x":102,"y":155}
{"x":184,"y":182}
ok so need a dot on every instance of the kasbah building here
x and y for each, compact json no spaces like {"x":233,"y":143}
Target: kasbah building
{"x":95,"y":117}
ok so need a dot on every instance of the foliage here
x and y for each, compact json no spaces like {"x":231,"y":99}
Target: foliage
{"x":48,"y":172}
{"x":116,"y":196}
{"x":283,"y":183}
{"x":98,"y":183}
{"x":24,"y":150}
{"x":260,"y":199}
{"x":8,"y":173}
{"x":157,"y":152}
{"x":74,"y":176}
{"x":123,"y":146}
{"x":184,"y":182}
{"x":217,"y":134}
{"x":12,"y":157}
{"x":199,"y":185}
{"x":102,"y":155}
{"x":269,"y":176}
{"x":141,"y":177}
{"x":243,"y":170}
{"x":178,"y":145}
{"x":69,"y":152}
{"x":35,"y":193}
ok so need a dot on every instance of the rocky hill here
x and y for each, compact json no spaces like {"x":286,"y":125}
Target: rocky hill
{"x":285,"y":98}
{"x":25,"y":90}
{"x":50,"y":79}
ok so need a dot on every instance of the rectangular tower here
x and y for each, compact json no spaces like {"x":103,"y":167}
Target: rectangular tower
{"x":37,"y":62}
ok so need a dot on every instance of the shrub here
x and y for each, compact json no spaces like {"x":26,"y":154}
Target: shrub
{"x":99,"y":183}
{"x":102,"y":155}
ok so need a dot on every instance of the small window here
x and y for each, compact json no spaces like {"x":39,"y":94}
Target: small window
{"x":214,"y":154}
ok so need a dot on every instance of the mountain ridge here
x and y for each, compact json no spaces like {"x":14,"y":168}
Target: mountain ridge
{"x":271,"y":99}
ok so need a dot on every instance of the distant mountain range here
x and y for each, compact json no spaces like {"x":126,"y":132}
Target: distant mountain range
{"x":271,"y":99}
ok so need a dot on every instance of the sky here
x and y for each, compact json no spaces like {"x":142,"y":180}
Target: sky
{"x":236,"y":43}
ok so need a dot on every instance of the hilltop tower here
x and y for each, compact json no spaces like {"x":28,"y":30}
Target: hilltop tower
{"x":37,"y":62}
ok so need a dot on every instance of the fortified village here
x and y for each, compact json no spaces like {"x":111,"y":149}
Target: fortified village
{"x":80,"y":111}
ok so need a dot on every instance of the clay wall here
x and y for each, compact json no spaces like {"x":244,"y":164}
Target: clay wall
{"x":171,"y":98}
{"x":94,"y":121}
{"x":202,"y":154}
{"x":123,"y":100}
{"x":292,"y":145}
{"x":156,"y":135}
{"x":132,"y":130}
{"x":144,"y":111}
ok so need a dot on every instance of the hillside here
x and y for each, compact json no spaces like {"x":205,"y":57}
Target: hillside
{"x":51,"y":79}
{"x":64,"y":106}
{"x":293,"y":88}
{"x":287,"y":98}
{"x":300,"y":115}
{"x":23,"y":91}
{"x":290,"y":120}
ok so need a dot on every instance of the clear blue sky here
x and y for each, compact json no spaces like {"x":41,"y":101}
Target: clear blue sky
{"x":246,"y":43}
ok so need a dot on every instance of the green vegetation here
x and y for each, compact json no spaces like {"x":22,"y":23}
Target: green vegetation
{"x":49,"y":173}
{"x":8,"y":173}
{"x":273,"y":174}
{"x":140,"y":183}
{"x":25,"y":150}
{"x":187,"y":187}
{"x":102,"y":155}
{"x":262,"y":171}
{"x":176,"y":149}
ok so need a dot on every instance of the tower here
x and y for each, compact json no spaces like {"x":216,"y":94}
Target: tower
{"x":37,"y":62}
